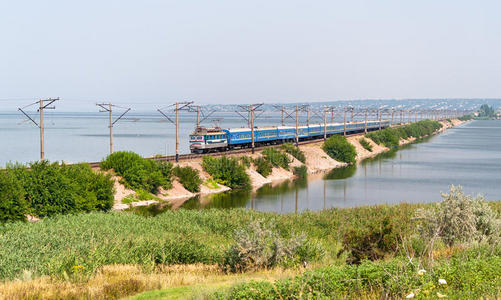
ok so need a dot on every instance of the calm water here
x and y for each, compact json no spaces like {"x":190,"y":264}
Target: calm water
{"x":77,"y":137}
{"x":469,"y":155}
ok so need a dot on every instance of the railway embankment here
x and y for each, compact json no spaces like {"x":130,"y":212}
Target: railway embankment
{"x":316,"y":161}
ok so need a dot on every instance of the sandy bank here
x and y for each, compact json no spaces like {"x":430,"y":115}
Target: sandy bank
{"x":317,"y":161}
{"x":362,"y":153}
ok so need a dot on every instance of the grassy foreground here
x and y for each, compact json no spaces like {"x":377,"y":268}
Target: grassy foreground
{"x":180,"y":253}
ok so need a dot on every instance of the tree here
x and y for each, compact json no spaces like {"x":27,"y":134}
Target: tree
{"x":486,"y":111}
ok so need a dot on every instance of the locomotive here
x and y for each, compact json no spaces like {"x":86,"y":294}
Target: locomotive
{"x":204,"y":140}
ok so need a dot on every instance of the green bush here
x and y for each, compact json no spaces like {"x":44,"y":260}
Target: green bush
{"x":260,"y":246}
{"x":188,"y":177}
{"x":340,"y":149}
{"x":375,"y":232}
{"x":246,"y":161}
{"x":13,"y":206}
{"x":139,"y":173}
{"x":465,"y":118}
{"x":263,"y":166}
{"x":367,"y":146}
{"x":276,"y":157}
{"x":294,"y":151}
{"x":376,"y":240}
{"x":226,"y":171}
{"x":459,"y":218}
{"x":390,"y":137}
{"x":50,"y":188}
{"x":467,"y":278}
{"x":300,"y":171}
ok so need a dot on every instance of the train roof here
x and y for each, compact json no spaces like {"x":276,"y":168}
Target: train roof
{"x":246,"y":129}
{"x":289,"y":127}
{"x":204,"y":131}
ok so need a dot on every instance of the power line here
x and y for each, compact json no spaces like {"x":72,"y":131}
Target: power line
{"x":178,"y":106}
{"x":43,"y":105}
{"x":108,"y":107}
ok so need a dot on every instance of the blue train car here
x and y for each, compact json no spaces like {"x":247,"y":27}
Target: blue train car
{"x":266,"y":134}
{"x":241,"y":137}
{"x":286,"y":133}
{"x":238,"y":136}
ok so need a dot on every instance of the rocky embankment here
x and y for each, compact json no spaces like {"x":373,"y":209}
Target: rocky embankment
{"x":317,"y":161}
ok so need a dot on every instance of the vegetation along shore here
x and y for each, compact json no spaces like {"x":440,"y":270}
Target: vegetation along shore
{"x":81,"y":250}
{"x":367,"y":252}
{"x":125,"y":179}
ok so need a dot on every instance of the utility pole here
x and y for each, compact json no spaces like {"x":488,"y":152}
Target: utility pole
{"x":250,"y":110}
{"x":380,"y":117}
{"x":392,"y":111}
{"x":177,"y":107}
{"x":325,"y":123}
{"x":366,"y":111}
{"x":307,"y":116}
{"x":43,"y":104}
{"x":198,"y":116}
{"x":200,"y":112}
{"x":344,"y":127}
{"x":251,"y":118}
{"x":283,"y":119}
{"x":299,"y":108}
{"x":281,"y":108}
{"x":42,"y":152}
{"x":297,"y":127}
{"x":108,"y":107}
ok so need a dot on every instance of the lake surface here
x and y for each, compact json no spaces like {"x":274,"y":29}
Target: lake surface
{"x":468,"y":155}
{"x":79,"y":137}
{"x":84,"y":136}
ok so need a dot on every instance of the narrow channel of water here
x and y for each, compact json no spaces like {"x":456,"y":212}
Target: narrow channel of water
{"x":468,"y":155}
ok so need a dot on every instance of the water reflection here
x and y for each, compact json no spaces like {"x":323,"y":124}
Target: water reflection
{"x":417,"y":173}
{"x":341,"y":173}
{"x":235,"y":198}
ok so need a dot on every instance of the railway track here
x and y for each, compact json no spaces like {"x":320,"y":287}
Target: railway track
{"x":190,"y":156}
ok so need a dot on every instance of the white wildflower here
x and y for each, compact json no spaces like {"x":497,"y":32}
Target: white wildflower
{"x":442,"y":281}
{"x":421,"y":272}
{"x":410,"y":296}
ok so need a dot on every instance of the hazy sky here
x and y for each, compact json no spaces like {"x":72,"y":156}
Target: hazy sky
{"x":245,"y":51}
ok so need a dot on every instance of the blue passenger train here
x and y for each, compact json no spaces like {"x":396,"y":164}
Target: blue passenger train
{"x":204,"y":140}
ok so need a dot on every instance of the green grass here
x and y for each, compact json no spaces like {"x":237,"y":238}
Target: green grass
{"x":276,"y":157}
{"x":467,"y":277}
{"x":263,"y":166}
{"x":54,"y":245}
{"x":141,"y":195}
{"x":294,"y":151}
{"x":367,"y":146}
{"x":211,"y":184}
{"x":174,"y":293}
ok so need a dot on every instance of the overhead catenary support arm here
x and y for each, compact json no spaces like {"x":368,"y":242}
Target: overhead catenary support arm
{"x":108,"y":107}
{"x":42,"y":105}
{"x":178,"y":106}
